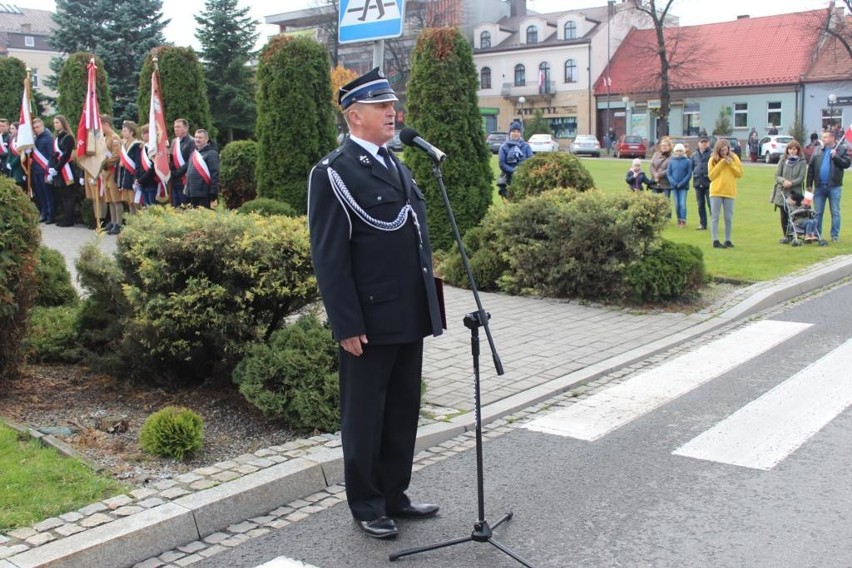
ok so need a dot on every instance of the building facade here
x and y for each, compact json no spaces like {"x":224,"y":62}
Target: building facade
{"x":24,"y":35}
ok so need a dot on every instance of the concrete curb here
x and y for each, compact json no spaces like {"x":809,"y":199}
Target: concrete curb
{"x":127,"y":541}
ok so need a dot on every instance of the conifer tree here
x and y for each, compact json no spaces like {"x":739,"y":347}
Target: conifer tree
{"x":227,"y":36}
{"x":13,"y":71}
{"x":442,"y":106}
{"x":295,"y":119}
{"x":183,"y":89}
{"x":73,"y":82}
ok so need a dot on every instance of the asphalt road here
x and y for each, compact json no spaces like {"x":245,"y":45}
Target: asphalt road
{"x":625,"y":499}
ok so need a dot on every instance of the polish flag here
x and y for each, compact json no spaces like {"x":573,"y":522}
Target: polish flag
{"x":25,"y":139}
{"x":91,"y":144}
{"x":158,"y":138}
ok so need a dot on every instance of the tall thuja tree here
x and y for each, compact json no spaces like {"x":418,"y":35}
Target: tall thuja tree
{"x":442,"y":106}
{"x":295,"y":119}
{"x":227,"y":35}
{"x":183,"y":88}
{"x":13,"y":71}
{"x":73,"y":82}
{"x":121,"y":32}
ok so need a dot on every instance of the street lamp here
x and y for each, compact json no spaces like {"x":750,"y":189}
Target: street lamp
{"x":521,"y":102}
{"x":626,"y":101}
{"x":832,"y":98}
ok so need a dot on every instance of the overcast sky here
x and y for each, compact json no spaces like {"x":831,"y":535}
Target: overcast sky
{"x":181,"y":30}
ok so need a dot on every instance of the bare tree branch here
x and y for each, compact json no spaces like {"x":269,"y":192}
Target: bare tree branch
{"x":658,"y":17}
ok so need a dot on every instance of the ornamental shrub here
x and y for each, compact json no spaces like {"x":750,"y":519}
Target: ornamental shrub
{"x":54,"y":280}
{"x":19,"y":241}
{"x":202,"y":286}
{"x":294,"y":377}
{"x":295,"y":118}
{"x":671,"y":271}
{"x":52,"y":336}
{"x":265,"y":206}
{"x":486,"y":262}
{"x":550,"y":170}
{"x":173,"y":432}
{"x":443,"y":106}
{"x":236,"y":176}
{"x":13,"y":71}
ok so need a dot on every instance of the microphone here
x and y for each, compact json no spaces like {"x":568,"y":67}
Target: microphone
{"x":411,"y":137}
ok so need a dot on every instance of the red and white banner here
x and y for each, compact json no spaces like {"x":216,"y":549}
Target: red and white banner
{"x":26,"y":139}
{"x":91,"y":145}
{"x":158,"y":141}
{"x":40,"y":159}
{"x":201,"y":167}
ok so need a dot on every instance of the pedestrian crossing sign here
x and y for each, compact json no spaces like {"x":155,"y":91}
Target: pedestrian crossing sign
{"x":369,"y":20}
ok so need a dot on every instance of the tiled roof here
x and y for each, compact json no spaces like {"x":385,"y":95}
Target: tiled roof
{"x":833,"y":62}
{"x":771,"y":50}
{"x":12,"y":17}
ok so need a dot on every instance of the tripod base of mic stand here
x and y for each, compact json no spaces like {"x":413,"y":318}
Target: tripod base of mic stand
{"x":482,"y":532}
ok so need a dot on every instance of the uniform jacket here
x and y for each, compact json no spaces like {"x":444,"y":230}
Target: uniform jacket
{"x":723,"y":176}
{"x":679,"y":171}
{"x":835,"y":174}
{"x":66,"y":146}
{"x":4,"y":156}
{"x":44,"y":143}
{"x":195,"y":184}
{"x":124,"y":177}
{"x":187,"y":147}
{"x":699,"y":168}
{"x":372,"y":281}
{"x":636,"y":181}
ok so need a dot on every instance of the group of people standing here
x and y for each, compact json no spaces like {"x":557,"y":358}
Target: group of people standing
{"x":714,"y":176}
{"x":127,"y":177}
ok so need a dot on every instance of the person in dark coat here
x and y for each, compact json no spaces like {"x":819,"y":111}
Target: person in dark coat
{"x":700,"y":181}
{"x":202,"y":173}
{"x":825,"y":179}
{"x":61,"y":172}
{"x":373,"y":262}
{"x":4,"y":145}
{"x":39,"y":166}
{"x":181,"y":149}
{"x":513,"y":152}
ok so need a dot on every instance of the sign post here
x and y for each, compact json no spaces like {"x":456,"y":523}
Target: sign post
{"x":370,"y":20}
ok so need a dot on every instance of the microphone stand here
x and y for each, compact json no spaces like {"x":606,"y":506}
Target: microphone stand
{"x":482,"y":531}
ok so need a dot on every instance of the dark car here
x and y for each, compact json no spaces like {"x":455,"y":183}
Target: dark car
{"x":630,"y":146}
{"x":494,"y":140}
{"x":732,"y":140}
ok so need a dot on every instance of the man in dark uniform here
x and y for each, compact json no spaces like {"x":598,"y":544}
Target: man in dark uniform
{"x":182,"y":148}
{"x":371,"y":253}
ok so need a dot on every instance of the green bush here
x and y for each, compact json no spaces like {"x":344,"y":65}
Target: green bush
{"x":266,"y":206}
{"x":52,"y":336}
{"x":54,"y":280}
{"x":294,"y":377}
{"x":19,"y":238}
{"x":550,"y":170}
{"x":671,"y":271}
{"x":202,"y":286}
{"x":173,"y":432}
{"x":486,"y":263}
{"x":236,"y":176}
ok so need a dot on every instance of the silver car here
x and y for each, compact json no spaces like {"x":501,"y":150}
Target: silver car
{"x":586,"y":144}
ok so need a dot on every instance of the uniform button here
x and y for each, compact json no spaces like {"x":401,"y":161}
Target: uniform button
{"x":371,"y":298}
{"x":379,"y":198}
{"x":424,"y":269}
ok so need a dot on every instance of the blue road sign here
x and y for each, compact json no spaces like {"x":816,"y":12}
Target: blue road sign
{"x":369,"y":20}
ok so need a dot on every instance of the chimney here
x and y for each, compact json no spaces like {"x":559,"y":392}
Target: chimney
{"x":518,"y":8}
{"x":743,"y":17}
{"x":26,"y":28}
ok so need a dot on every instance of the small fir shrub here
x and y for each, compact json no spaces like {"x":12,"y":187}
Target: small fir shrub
{"x":672,"y":271}
{"x":54,"y":280}
{"x":173,"y":432}
{"x":294,"y":377}
{"x":266,"y":206}
{"x":19,"y":238}
{"x":486,"y":262}
{"x":52,"y":336}
{"x":550,"y":170}
{"x":236,"y":176}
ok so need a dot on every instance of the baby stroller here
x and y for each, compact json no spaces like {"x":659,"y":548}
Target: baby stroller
{"x":801,"y":222}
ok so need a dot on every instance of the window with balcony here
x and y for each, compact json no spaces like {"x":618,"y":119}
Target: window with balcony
{"x":544,"y":77}
{"x":570,"y":30}
{"x":520,"y":75}
{"x":570,"y":71}
{"x":485,"y":78}
{"x":485,"y":40}
{"x":532,"y":34}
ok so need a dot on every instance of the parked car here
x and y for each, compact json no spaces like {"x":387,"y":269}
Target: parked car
{"x":395,"y":143}
{"x":586,"y":144}
{"x":543,"y":143}
{"x":494,"y":140}
{"x":630,"y":146}
{"x":736,"y":148}
{"x":773,"y":147}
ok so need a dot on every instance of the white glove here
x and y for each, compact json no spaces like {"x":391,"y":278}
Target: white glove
{"x":9,"y":167}
{"x":108,"y":154}
{"x":49,"y":179}
{"x":51,"y":171}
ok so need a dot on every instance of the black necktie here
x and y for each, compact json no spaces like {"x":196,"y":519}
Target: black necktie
{"x":383,"y":152}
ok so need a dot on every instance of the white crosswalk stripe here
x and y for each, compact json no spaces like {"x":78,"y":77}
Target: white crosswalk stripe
{"x":762,"y":433}
{"x":596,"y":416}
{"x":282,"y":562}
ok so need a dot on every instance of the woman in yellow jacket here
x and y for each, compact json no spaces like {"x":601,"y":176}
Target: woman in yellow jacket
{"x":724,"y":168}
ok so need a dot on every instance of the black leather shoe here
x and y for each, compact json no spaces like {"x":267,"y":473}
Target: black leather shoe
{"x":383,"y":527}
{"x":416,"y":511}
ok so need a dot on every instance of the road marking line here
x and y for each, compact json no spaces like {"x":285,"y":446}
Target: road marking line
{"x":282,"y":562}
{"x":596,"y":416}
{"x":768,"y":429}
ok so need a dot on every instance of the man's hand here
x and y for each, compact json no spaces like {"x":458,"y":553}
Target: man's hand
{"x":353,"y":346}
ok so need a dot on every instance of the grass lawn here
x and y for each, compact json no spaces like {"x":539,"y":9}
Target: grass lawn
{"x":757,"y":255}
{"x":37,"y":483}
